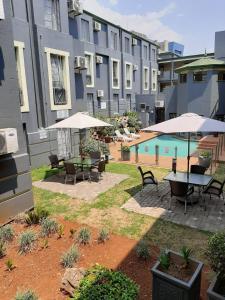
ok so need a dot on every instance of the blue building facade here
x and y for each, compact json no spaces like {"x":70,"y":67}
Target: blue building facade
{"x":176,"y":48}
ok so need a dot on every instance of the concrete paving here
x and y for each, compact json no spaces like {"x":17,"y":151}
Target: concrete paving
{"x":85,"y":190}
{"x":156,"y":205}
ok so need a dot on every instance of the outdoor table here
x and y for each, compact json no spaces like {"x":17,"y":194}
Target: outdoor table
{"x":83,"y":162}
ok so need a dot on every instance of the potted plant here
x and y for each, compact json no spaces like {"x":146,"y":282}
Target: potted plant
{"x":216,"y":255}
{"x":91,"y":148}
{"x":204,"y":159}
{"x":176,"y":276}
{"x":125,"y":153}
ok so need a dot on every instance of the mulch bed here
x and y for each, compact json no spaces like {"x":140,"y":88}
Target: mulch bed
{"x":40,"y":270}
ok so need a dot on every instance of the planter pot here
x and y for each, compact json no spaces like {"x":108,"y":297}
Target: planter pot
{"x":108,"y":139}
{"x":125,"y":155}
{"x":204,"y":161}
{"x":212,"y":290}
{"x":167,"y":287}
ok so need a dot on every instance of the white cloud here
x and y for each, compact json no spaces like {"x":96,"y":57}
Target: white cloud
{"x":113,"y":2}
{"x":149,"y":23}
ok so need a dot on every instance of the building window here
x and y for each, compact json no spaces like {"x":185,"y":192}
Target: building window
{"x":145,"y":52}
{"x":85,"y":32}
{"x":183,"y":78}
{"x":52,"y":15}
{"x":154,"y":79}
{"x":153,"y":54}
{"x":128,"y":75}
{"x":221,"y":76}
{"x":90,"y":103}
{"x":20,"y":64}
{"x":127,"y":45}
{"x":90,"y":69}
{"x":116,"y":103}
{"x":114,"y":40}
{"x":128,"y":100}
{"x":142,"y":107}
{"x":115,"y":74}
{"x":146,"y":78}
{"x":59,"y":79}
{"x":199,"y":76}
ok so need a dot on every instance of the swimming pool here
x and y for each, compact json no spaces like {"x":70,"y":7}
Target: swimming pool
{"x":167,"y":145}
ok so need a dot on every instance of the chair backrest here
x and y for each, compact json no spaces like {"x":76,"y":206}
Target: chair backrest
{"x":118,"y":133}
{"x":95,"y":155}
{"x":127,"y":131}
{"x":101,"y":166}
{"x":54,"y":160}
{"x":70,"y":168}
{"x":197,"y":169}
{"x":141,"y":171}
{"x":179,"y":189}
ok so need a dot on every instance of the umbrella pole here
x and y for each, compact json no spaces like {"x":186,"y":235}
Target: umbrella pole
{"x":188,"y":157}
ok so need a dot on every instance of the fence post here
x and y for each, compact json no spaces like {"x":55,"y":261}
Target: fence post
{"x":136,"y":154}
{"x":157,"y":154}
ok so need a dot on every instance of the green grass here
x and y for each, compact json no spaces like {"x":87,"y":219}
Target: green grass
{"x":106,"y":212}
{"x":42,"y":173}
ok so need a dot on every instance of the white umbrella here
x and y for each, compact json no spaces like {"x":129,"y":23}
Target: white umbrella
{"x":188,"y":123}
{"x":79,"y":121}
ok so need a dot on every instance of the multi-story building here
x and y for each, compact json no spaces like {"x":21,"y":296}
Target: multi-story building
{"x":76,"y":62}
{"x":171,"y":48}
{"x":15,"y":178}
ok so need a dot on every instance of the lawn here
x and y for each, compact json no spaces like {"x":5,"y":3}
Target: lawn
{"x":105,"y":211}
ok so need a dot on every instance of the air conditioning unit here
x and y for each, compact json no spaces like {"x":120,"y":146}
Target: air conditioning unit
{"x":134,"y":42}
{"x":8,"y":141}
{"x":135,"y":67}
{"x":100,"y":93}
{"x":80,"y":63}
{"x":159,"y":103}
{"x":2,"y":12}
{"x":97,"y":26}
{"x":74,"y":8}
{"x":99,"y":59}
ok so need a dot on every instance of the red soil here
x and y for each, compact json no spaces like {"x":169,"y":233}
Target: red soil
{"x":40,"y":270}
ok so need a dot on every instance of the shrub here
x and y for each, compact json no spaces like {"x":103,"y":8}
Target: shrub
{"x":2,"y":249}
{"x":48,"y":227}
{"x":44,"y":244}
{"x":70,"y":257}
{"x":164,"y":260}
{"x":216,"y":252}
{"x":27,"y":295}
{"x":125,"y":148}
{"x":6,"y":233}
{"x":84,"y":236}
{"x":36,"y":216}
{"x":10,"y":265}
{"x":20,"y":218}
{"x":142,"y":250}
{"x":103,"y":235}
{"x":102,"y":283}
{"x":26,"y":241}
{"x":186,"y":253}
{"x":60,"y":231}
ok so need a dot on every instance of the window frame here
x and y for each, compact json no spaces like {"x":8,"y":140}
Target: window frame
{"x":66,"y":77}
{"x":58,"y":21}
{"x":114,"y":38}
{"x":145,"y":54}
{"x":91,"y":55}
{"x":204,"y":77}
{"x":82,"y":33}
{"x":183,"y":75}
{"x":154,"y":89}
{"x":144,"y":79}
{"x":21,"y":71}
{"x":118,"y":73}
{"x":221,"y":72}
{"x":131,"y":76}
{"x":125,"y":45}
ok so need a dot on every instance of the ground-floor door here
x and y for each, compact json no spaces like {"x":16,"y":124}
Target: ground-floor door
{"x":159,"y":114}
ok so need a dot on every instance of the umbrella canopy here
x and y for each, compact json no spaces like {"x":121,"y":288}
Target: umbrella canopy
{"x":188,"y":122}
{"x":79,"y":121}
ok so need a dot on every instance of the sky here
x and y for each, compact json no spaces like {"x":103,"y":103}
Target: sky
{"x":190,"y":22}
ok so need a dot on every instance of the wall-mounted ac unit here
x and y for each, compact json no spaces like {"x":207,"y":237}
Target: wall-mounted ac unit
{"x":8,"y":141}
{"x":159,"y":73}
{"x":159,"y":103}
{"x":80,"y":63}
{"x":100,"y":93}
{"x":134,"y":42}
{"x":97,"y":26}
{"x":74,"y":8}
{"x":99,"y":59}
{"x":135,"y":67}
{"x":2,"y":12}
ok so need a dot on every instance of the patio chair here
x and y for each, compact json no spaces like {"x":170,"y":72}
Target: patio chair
{"x":197,"y":169}
{"x":72,"y":172}
{"x":181,"y":190}
{"x":147,"y":178}
{"x":122,"y":137}
{"x":99,"y":169}
{"x":55,"y":162}
{"x":131,"y":134}
{"x":215,"y":188}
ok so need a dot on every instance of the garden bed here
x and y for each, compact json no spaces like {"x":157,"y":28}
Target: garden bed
{"x":40,"y":269}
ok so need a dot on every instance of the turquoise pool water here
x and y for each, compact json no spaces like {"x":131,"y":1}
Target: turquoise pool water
{"x":167,"y":144}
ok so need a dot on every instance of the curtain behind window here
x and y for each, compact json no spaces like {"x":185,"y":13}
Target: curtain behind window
{"x":52,"y":14}
{"x":57,"y":71}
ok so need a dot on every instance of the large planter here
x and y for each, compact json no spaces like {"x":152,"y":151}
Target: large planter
{"x":125,"y":155}
{"x":204,"y":161}
{"x":212,"y":290}
{"x":167,"y":287}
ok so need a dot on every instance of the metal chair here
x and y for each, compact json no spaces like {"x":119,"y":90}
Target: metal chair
{"x":215,"y":188}
{"x":148,"y":178}
{"x":72,"y":172}
{"x":181,"y":190}
{"x":55,"y":162}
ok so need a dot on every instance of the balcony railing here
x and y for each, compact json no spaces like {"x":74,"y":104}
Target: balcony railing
{"x":59,"y":96}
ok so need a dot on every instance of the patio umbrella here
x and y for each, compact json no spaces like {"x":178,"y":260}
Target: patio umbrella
{"x":188,"y":123}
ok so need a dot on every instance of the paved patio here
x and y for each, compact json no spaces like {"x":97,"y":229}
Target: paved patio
{"x":156,"y":205}
{"x":85,"y":190}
